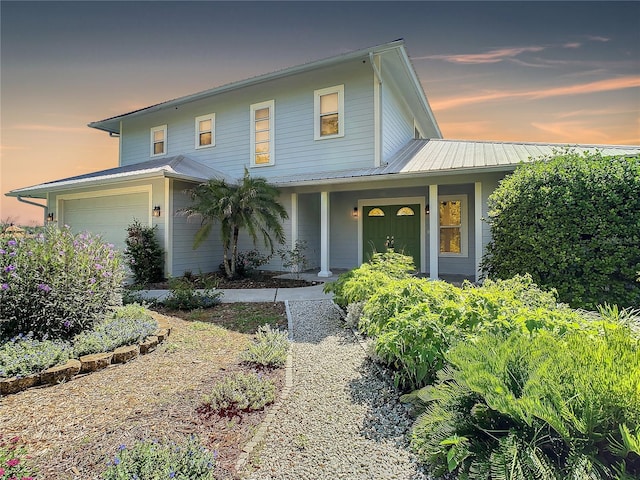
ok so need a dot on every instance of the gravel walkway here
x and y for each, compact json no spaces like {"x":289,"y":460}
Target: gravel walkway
{"x":340,"y":420}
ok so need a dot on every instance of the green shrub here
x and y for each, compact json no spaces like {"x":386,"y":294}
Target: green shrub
{"x":151,"y":460}
{"x":360,"y":283}
{"x":240,"y":392}
{"x":128,"y":325}
{"x":23,"y":355}
{"x":534,"y":406}
{"x":184,"y":296}
{"x":269,"y":349}
{"x":572,"y":222}
{"x":57,"y":284}
{"x":144,"y":254}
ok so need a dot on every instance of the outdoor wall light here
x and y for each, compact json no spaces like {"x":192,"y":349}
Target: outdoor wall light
{"x":50,"y":217}
{"x":426,"y":209}
{"x":354,"y":213}
{"x":156,"y":211}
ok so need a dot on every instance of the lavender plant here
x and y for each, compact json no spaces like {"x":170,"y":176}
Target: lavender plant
{"x":56,"y":284}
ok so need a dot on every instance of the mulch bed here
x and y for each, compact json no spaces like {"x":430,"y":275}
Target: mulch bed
{"x":72,"y":429}
{"x":257,"y":280}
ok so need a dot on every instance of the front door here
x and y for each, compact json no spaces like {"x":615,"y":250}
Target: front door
{"x":392,"y":226}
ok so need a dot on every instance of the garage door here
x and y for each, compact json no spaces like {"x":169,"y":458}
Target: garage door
{"x":108,"y":216}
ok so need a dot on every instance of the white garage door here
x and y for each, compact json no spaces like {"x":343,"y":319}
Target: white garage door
{"x":108,"y":216}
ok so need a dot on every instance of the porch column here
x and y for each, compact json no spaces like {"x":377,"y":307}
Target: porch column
{"x":168,"y":226}
{"x":294,"y":219}
{"x":477,"y":215}
{"x":434,"y":231}
{"x":324,"y":235}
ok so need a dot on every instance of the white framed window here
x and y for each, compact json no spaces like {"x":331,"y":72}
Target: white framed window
{"x":159,"y":141}
{"x":454,"y":236}
{"x":328,"y":110}
{"x":262,"y":133}
{"x":206,"y":130}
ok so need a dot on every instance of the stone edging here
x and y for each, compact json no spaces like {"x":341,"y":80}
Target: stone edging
{"x":275,"y":408}
{"x":86,"y":363}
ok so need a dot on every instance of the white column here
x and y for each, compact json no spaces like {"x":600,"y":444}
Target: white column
{"x":434,"y":231}
{"x":294,"y":219}
{"x":324,"y":235}
{"x":168,"y":226}
{"x":478,"y":227}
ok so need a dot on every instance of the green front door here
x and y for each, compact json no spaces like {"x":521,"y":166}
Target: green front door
{"x":392,"y":226}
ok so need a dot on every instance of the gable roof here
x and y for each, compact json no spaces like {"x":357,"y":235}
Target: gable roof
{"x":410,"y":83}
{"x":180,"y":167}
{"x":421,"y":158}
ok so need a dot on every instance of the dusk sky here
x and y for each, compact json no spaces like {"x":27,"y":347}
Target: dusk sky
{"x":506,"y":71}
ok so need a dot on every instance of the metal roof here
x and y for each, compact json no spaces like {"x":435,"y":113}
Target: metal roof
{"x":180,"y":167}
{"x":438,"y":157}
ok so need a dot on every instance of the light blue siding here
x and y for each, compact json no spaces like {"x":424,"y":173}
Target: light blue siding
{"x":397,"y":122}
{"x":295,"y":148}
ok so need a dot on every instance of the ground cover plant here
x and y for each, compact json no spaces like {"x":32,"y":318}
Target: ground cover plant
{"x":14,"y":461}
{"x":56,"y":284}
{"x":571,"y":222}
{"x":512,"y":384}
{"x":238,"y":393}
{"x":269,"y":348}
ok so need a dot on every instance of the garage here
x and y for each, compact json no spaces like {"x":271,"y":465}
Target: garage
{"x":108,"y":216}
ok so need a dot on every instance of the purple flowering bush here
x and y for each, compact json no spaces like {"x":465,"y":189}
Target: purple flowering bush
{"x":57,"y":284}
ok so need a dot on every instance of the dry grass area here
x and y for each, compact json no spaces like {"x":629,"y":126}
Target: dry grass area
{"x":72,"y":429}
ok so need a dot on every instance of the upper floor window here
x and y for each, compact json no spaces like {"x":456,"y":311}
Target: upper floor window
{"x":262,"y":133}
{"x":159,"y":140}
{"x":329,"y":112}
{"x":205,"y":130}
{"x":453,"y":225}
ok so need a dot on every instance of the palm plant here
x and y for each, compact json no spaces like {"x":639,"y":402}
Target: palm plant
{"x":251,"y":204}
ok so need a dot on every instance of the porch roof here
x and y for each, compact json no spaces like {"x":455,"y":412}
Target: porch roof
{"x":180,"y":167}
{"x":439,"y":157}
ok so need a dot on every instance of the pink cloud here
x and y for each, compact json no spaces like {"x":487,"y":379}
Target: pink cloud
{"x":492,"y":56}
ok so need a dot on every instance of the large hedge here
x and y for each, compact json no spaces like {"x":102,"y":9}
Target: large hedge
{"x":572,"y":221}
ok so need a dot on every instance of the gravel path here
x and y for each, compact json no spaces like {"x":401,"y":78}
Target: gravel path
{"x":341,"y":420}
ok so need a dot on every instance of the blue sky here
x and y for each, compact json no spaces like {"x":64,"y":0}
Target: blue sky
{"x":562,"y":72}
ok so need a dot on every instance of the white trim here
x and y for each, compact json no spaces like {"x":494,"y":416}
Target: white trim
{"x":294,"y":219}
{"x":168,"y":227}
{"x":106,"y":193}
{"x":152,"y":131}
{"x":464,"y":224}
{"x":212,"y":118}
{"x":434,"y":232}
{"x":120,"y":145}
{"x":325,"y":235}
{"x":367,"y":202}
{"x":339,"y":89}
{"x":377,"y":121}
{"x":477,"y":215}
{"x":270,"y":104}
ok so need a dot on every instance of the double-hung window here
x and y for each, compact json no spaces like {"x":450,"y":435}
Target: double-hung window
{"x":262,"y":133}
{"x":328,"y":107}
{"x":206,"y":130}
{"x":453,"y":225}
{"x":159,"y":141}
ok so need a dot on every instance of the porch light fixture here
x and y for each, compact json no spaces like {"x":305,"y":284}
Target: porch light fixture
{"x":50,"y":217}
{"x":426,"y":209}
{"x":156,"y":211}
{"x":354,"y":213}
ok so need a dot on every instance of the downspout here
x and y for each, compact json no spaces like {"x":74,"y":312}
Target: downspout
{"x":378,"y":99}
{"x":46,"y":209}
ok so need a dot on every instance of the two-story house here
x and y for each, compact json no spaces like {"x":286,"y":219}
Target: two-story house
{"x":350,"y":141}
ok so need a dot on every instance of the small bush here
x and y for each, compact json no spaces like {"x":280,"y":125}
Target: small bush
{"x":239,"y":393}
{"x":144,"y":255}
{"x":295,"y":259}
{"x":57,"y":284}
{"x":184,"y":296}
{"x":13,"y":460}
{"x":248,"y":262}
{"x":126,"y":326}
{"x":544,"y":405}
{"x":571,"y":221}
{"x":269,"y":349}
{"x":151,"y":460}
{"x":24,"y":355}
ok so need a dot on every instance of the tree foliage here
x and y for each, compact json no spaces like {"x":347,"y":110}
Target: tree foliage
{"x":144,"y":254}
{"x":250,"y":204}
{"x":572,"y":221}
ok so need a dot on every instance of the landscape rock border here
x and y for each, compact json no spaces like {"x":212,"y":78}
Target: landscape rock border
{"x":86,"y":364}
